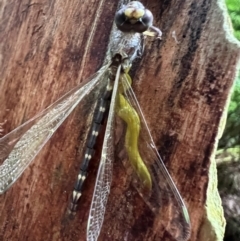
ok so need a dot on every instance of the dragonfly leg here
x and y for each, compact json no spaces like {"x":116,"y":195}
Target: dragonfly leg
{"x":153,"y":32}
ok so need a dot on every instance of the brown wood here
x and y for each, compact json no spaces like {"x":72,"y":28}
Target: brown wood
{"x":48,"y":47}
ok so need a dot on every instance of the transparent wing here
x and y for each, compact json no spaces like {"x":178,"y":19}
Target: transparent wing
{"x":104,"y":176}
{"x":163,"y":199}
{"x":20,"y":146}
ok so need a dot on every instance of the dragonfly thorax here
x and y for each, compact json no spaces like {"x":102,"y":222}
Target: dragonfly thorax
{"x":127,"y":45}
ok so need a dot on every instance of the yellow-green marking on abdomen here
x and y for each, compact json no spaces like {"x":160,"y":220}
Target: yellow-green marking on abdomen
{"x":127,"y":113}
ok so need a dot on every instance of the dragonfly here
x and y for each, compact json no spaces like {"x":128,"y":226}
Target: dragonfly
{"x":110,"y":92}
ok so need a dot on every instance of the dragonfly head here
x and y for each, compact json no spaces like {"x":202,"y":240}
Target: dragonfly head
{"x":133,"y":17}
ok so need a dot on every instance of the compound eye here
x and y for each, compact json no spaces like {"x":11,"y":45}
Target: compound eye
{"x":147,"y":18}
{"x":133,"y":18}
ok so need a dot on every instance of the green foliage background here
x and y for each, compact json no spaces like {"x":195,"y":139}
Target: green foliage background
{"x":231,"y":136}
{"x":234,"y":12}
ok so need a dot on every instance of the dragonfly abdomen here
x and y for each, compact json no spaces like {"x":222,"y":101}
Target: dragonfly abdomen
{"x":101,"y":111}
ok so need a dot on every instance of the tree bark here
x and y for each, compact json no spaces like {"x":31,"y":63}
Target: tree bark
{"x":48,"y":47}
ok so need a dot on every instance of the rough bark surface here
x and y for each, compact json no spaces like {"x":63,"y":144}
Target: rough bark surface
{"x":182,"y":83}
